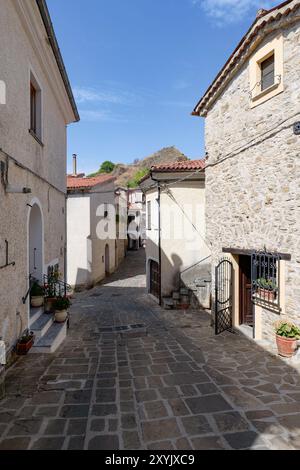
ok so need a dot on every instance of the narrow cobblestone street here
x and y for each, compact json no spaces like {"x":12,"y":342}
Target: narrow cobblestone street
{"x":165,"y":383}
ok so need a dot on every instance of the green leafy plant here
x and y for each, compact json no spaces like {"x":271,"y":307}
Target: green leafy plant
{"x":134,"y":182}
{"x":287,"y":329}
{"x":267,"y":284}
{"x":62,"y":303}
{"x":36,"y":290}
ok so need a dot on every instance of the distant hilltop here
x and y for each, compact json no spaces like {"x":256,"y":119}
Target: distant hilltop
{"x":129,"y":175}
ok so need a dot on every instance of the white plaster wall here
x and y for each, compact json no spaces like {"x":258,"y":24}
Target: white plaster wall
{"x":183,"y":231}
{"x":78,"y":240}
{"x":18,"y":55}
{"x":86,"y":250}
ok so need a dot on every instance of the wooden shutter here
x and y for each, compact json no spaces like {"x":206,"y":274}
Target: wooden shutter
{"x":267,"y":73}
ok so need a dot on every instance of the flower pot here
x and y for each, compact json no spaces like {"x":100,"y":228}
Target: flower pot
{"x":23,"y":348}
{"x":61,"y":316}
{"x":265,"y":294}
{"x":37,"y":301}
{"x":286,"y":346}
{"x":49,"y":301}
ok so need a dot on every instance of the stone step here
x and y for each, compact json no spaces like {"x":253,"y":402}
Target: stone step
{"x":42,"y":325}
{"x":49,"y":343}
{"x":35,"y":314}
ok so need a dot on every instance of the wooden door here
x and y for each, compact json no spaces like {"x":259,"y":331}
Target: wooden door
{"x":154,"y":279}
{"x":246,"y":305}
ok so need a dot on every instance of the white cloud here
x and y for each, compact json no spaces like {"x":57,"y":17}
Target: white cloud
{"x":92,"y":95}
{"x":231,"y":11}
{"x":91,"y":115}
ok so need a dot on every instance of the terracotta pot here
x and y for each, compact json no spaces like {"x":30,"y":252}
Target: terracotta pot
{"x":266,"y":294}
{"x":60,"y":316}
{"x":37,"y":301}
{"x":286,"y":346}
{"x":23,"y":348}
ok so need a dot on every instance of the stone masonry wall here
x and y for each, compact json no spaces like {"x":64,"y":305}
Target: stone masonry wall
{"x":253,"y":189}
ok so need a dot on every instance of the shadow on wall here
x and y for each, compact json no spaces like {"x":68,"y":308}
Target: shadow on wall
{"x":196,"y":278}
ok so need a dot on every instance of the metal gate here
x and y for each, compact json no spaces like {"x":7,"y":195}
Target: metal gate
{"x":154,"y":279}
{"x":223,"y":296}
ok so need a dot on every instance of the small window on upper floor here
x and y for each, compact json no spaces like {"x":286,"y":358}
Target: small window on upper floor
{"x":266,"y":72}
{"x":35,"y":109}
{"x":267,"y":67}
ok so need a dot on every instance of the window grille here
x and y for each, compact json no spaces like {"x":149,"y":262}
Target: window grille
{"x":265,"y":274}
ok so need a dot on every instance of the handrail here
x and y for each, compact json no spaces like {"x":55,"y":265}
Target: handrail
{"x":55,"y":287}
{"x":24,"y":299}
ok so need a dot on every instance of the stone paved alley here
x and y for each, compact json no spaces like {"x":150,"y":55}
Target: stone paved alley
{"x":168,"y":385}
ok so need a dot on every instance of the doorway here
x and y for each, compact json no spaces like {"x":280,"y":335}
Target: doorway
{"x":246,"y":307}
{"x":107,"y":262}
{"x":154,"y":279}
{"x":35,"y":234}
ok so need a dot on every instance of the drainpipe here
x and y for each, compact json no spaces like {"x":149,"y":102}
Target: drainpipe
{"x":159,"y":233}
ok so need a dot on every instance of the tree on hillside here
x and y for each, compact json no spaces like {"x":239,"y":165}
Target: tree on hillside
{"x":106,"y":167}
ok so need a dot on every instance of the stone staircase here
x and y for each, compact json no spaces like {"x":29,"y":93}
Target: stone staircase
{"x":48,"y":334}
{"x":194,"y":291}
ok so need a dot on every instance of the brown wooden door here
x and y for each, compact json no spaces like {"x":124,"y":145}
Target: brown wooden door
{"x":154,"y":279}
{"x":246,"y":305}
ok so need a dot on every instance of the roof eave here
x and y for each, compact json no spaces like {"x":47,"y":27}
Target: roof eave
{"x":43,"y":8}
{"x":207,"y":99}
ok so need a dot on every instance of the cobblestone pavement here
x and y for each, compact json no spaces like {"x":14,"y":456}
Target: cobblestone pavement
{"x":170,"y":384}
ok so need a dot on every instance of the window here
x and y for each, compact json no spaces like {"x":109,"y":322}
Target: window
{"x":267,"y":72}
{"x":265,"y":278}
{"x":149,"y":215}
{"x":35,"y":109}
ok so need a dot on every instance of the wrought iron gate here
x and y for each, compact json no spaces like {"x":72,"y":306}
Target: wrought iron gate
{"x":223,"y":296}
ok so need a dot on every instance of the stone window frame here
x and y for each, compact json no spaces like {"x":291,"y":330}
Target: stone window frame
{"x":274,"y":47}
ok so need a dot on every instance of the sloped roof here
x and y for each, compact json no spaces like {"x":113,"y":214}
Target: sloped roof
{"x":183,"y":166}
{"x":188,"y":165}
{"x":74,"y":182}
{"x":265,"y":18}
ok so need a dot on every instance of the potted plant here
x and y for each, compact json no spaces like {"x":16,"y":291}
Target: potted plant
{"x":287,"y":335}
{"x":61,"y":306}
{"x":25,"y":343}
{"x":36,"y":295}
{"x":266,"y":289}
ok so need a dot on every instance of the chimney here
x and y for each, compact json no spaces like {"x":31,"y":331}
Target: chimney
{"x":261,"y":12}
{"x":74,"y":164}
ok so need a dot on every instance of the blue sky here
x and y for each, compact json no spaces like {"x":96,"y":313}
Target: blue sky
{"x":138,"y":67}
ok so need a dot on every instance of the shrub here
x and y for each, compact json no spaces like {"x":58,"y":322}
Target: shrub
{"x":287,"y":329}
{"x":62,"y":303}
{"x":36,"y":290}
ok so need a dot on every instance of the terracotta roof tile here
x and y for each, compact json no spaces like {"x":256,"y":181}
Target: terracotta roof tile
{"x":188,"y":165}
{"x":87,"y":183}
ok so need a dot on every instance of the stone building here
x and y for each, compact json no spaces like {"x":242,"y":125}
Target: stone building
{"x":177,"y":255}
{"x":37,"y":105}
{"x":252,"y":126}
